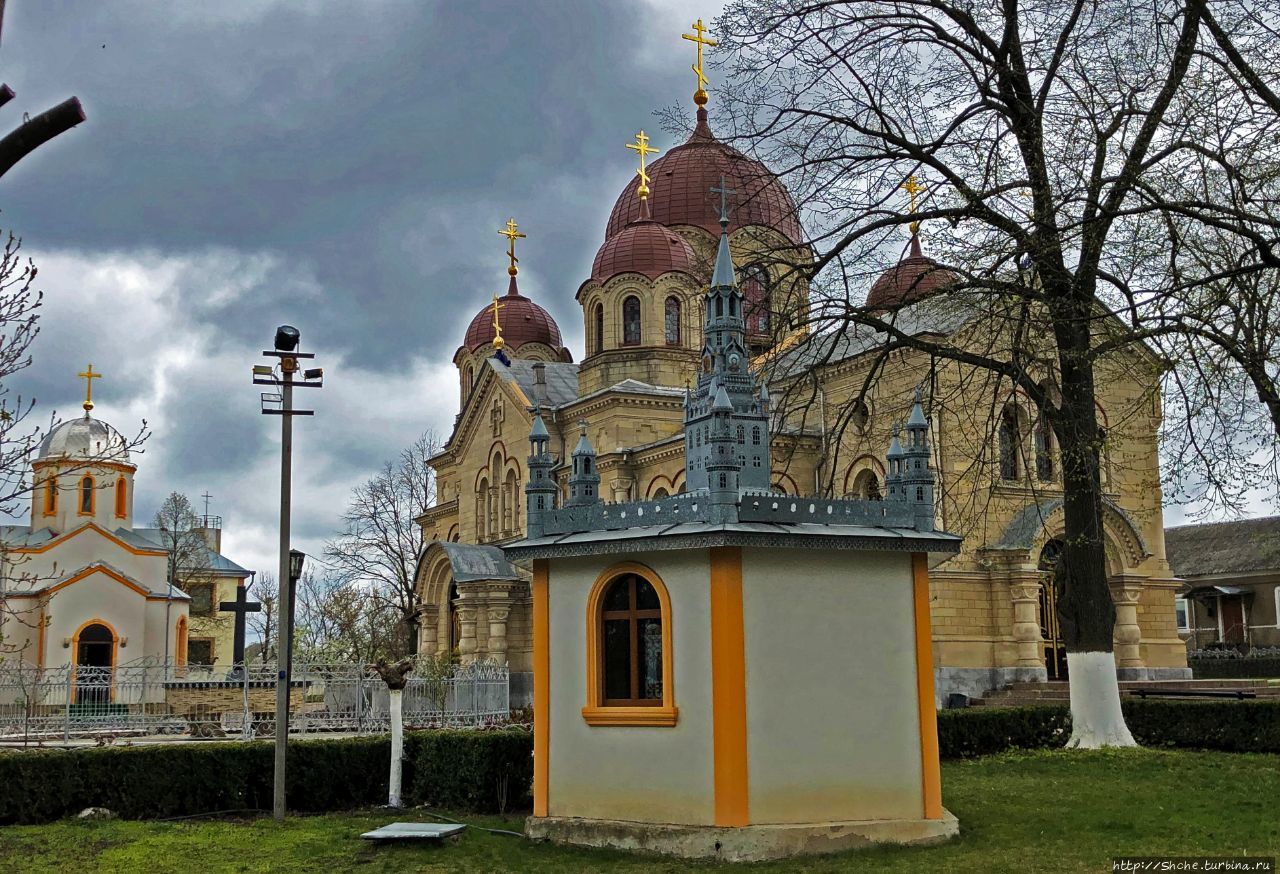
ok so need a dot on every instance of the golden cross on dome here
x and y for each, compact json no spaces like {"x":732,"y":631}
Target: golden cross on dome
{"x":498,"y":342}
{"x":88,"y":376}
{"x":699,"y":37}
{"x":641,"y":147}
{"x":512,"y":235}
{"x":913,"y":187}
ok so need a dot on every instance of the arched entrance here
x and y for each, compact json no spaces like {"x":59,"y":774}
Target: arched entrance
{"x":95,"y":651}
{"x":1055,"y":651}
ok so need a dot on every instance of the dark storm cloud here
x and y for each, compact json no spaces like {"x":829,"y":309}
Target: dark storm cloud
{"x":342,"y":166}
{"x":378,"y":145}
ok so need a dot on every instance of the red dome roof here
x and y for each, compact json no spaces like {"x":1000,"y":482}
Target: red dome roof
{"x":522,"y":320}
{"x":682,"y":180}
{"x":643,"y":247}
{"x":914,"y":277}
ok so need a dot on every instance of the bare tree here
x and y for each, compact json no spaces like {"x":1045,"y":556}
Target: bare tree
{"x":183,"y":536}
{"x":265,"y":623}
{"x":1062,"y":148}
{"x":379,"y":547}
{"x":338,"y":620}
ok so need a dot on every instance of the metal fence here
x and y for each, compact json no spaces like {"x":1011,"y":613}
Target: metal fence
{"x":146,"y":698}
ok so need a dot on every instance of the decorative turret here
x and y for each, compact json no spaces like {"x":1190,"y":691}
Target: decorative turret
{"x":584,"y":481}
{"x":893,"y":478}
{"x":726,"y":417}
{"x":917,"y":478}
{"x":540,"y":490}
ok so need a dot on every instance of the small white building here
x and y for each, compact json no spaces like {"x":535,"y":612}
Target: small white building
{"x":79,"y":585}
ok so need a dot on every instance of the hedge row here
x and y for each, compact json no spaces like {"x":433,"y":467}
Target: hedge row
{"x":1225,"y":669}
{"x":479,"y":771}
{"x":1231,"y":726}
{"x":493,"y":770}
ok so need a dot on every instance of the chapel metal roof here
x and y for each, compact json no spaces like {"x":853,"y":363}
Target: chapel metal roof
{"x":84,"y":438}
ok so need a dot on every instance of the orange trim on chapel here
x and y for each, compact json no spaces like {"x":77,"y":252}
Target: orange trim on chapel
{"x":728,"y":688}
{"x":596,"y":712}
{"x":930,"y":769}
{"x":541,"y":679}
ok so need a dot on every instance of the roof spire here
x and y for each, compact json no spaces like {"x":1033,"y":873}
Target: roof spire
{"x":512,"y":235}
{"x":723,"y":276}
{"x":699,"y":38}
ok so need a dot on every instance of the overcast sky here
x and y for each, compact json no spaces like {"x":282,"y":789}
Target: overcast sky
{"x":340,"y":166}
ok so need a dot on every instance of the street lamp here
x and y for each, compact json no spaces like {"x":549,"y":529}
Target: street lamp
{"x":280,"y":403}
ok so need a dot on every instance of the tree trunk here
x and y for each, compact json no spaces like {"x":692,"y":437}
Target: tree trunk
{"x":397,"y":746}
{"x":1086,"y":611}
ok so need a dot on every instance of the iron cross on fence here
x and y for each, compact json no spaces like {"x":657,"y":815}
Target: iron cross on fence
{"x":242,"y":607}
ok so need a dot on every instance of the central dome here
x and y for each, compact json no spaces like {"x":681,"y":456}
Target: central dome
{"x":522,"y":321}
{"x":683,"y":178}
{"x":84,"y":438}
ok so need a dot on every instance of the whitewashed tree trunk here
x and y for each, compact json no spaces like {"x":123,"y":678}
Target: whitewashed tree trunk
{"x":397,"y":746}
{"x":1096,"y":718}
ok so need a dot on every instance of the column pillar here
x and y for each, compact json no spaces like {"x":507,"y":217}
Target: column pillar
{"x":1128,"y":635}
{"x":466,"y":607}
{"x":428,"y":629}
{"x":1026,"y":627}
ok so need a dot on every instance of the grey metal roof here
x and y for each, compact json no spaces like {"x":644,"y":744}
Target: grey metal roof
{"x":470,"y":561}
{"x":153,"y":538}
{"x":699,"y":535}
{"x":561,"y":380}
{"x":18,"y":536}
{"x":84,"y":438}
{"x":1028,"y":524}
{"x":1248,"y":546}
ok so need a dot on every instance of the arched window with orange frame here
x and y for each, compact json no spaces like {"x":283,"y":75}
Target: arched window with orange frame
{"x":51,"y":495}
{"x":122,"y":498}
{"x":86,"y":496}
{"x":629,"y":659}
{"x":180,"y":643}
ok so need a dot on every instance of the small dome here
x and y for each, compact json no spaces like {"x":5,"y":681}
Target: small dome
{"x":683,"y":178}
{"x":522,"y":321}
{"x":85,"y":437}
{"x":914,"y":277}
{"x":644,"y":247}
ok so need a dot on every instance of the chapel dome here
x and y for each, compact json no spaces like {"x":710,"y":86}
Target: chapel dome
{"x":522,"y":321}
{"x":83,"y":438}
{"x":644,"y":247}
{"x":682,"y":181}
{"x":914,"y":277}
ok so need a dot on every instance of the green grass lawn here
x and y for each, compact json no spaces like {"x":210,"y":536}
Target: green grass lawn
{"x":1044,"y":811}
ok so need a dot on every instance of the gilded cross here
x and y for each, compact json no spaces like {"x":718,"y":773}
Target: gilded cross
{"x":512,"y":235}
{"x":724,"y":192}
{"x":497,"y":326}
{"x":913,"y":187}
{"x":89,"y":376}
{"x":699,"y":38}
{"x":642,"y":148}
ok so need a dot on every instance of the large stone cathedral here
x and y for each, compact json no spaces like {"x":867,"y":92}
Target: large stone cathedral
{"x":651,"y":310}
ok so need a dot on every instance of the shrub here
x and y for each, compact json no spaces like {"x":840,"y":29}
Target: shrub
{"x":1231,"y":726}
{"x":1237,"y":666}
{"x":459,"y":769}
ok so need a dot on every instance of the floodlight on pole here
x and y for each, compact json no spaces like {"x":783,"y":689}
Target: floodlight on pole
{"x":286,"y":343}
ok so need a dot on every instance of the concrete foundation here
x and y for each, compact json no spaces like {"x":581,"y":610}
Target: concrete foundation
{"x":976,"y":682}
{"x":747,"y":844}
{"x":1144,"y":674}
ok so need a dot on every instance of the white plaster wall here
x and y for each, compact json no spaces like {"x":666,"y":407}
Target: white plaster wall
{"x":96,"y":597}
{"x":632,"y":773}
{"x":39,"y":570}
{"x":833,"y":727}
{"x":68,"y":517}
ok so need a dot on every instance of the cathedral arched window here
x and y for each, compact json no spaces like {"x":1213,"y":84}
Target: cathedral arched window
{"x":631,"y":321}
{"x":755,"y":436}
{"x":122,"y":498}
{"x":513,"y":489}
{"x":859,"y":416}
{"x":755,"y":301}
{"x":1010,"y":443}
{"x":671,"y":321}
{"x":1044,"y":449}
{"x":86,"y":496}
{"x":866,"y":486}
{"x":597,"y":336}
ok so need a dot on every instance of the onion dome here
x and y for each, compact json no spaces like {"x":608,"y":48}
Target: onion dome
{"x":914,"y":277}
{"x":644,"y":247}
{"x":522,"y":321}
{"x":84,"y":438}
{"x":685,"y":174}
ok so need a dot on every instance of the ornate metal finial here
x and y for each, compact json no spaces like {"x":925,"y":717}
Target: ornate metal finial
{"x":724,"y":192}
{"x":642,"y":148}
{"x":913,"y":187}
{"x":699,"y":38}
{"x":512,"y":235}
{"x":498,"y":342}
{"x":88,"y":376}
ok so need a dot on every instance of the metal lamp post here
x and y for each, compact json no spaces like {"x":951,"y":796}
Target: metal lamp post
{"x":283,"y":377}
